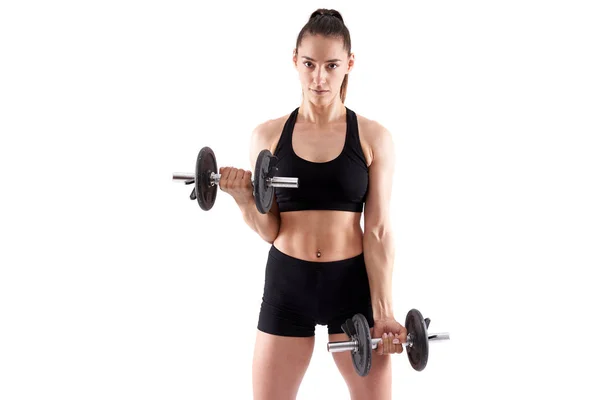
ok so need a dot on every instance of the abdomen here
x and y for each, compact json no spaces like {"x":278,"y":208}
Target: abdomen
{"x":337,"y":235}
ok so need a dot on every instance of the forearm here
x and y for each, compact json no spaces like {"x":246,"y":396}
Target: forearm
{"x":379,"y":260}
{"x":266,"y":225}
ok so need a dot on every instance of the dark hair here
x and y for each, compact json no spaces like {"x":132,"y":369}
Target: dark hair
{"x":328,"y":23}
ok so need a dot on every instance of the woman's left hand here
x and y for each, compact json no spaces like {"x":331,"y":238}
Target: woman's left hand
{"x":392,"y":334}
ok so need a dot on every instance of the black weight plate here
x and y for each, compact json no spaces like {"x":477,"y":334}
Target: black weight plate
{"x":418,"y":353}
{"x":206,"y":163}
{"x":362,"y":358}
{"x":263,"y":194}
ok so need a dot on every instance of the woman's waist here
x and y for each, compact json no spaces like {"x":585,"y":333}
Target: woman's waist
{"x":321,"y":237}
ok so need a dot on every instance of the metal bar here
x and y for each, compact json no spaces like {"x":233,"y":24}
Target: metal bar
{"x":183,"y":176}
{"x":336,"y":347}
{"x":284,"y":185}
{"x":439,"y":336}
{"x":353,"y":345}
{"x":281,"y":182}
{"x":281,"y":179}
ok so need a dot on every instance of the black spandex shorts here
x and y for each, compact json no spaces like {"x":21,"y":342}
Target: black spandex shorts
{"x":299,"y":294}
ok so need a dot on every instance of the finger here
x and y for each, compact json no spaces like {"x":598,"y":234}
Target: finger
{"x":403,"y":336}
{"x":248,"y":178}
{"x":230,"y":177}
{"x":392,"y":345}
{"x":225,"y":172}
{"x":388,"y":344}
{"x":236,"y":177}
{"x":397,"y":344}
{"x":380,"y":348}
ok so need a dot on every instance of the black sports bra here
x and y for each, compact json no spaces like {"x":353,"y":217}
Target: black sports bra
{"x":340,"y":184}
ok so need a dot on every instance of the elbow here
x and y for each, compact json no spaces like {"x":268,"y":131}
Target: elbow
{"x":378,"y":233}
{"x":378,"y":242}
{"x":270,"y":236}
{"x":270,"y":239}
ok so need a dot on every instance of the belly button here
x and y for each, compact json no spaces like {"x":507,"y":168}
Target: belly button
{"x":318,"y":253}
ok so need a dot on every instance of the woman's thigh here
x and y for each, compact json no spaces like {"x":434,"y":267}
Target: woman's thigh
{"x":279,"y":365}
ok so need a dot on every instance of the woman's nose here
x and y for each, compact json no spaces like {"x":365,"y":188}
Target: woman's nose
{"x":319,"y":77}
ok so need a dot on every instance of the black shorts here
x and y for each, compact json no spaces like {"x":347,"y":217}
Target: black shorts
{"x":299,"y":294}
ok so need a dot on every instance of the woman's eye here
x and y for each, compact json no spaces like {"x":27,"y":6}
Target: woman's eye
{"x":310,"y":65}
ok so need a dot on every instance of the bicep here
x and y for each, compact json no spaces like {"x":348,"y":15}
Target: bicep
{"x":381,"y":171}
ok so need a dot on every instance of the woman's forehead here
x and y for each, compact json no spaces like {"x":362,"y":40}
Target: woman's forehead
{"x":317,"y":46}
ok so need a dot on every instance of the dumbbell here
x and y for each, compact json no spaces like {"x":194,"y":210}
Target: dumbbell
{"x":361,"y":345}
{"x":206,"y":178}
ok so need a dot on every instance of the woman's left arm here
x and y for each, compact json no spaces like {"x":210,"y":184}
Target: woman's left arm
{"x":378,"y":243}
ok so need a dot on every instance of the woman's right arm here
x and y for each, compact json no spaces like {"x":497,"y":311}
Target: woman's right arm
{"x":266,"y":225}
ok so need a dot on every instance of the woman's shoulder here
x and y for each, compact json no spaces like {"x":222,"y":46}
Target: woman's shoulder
{"x":369,"y":128}
{"x":266,"y":134}
{"x":372,"y":136}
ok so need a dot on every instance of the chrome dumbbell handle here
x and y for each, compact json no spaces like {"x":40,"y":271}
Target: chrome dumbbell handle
{"x":352,"y":345}
{"x":276,"y":181}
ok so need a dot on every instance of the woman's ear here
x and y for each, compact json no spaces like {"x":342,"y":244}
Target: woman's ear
{"x":295,"y":58}
{"x":350,"y":62}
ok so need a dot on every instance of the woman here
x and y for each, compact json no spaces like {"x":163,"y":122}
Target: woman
{"x":322,"y":269}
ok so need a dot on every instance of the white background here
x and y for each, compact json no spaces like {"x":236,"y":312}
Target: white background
{"x":114,"y":285}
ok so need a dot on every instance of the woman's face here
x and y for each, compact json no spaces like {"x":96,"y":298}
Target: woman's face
{"x":322,"y":64}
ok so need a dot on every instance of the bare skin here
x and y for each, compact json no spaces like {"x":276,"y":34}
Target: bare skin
{"x":319,"y":235}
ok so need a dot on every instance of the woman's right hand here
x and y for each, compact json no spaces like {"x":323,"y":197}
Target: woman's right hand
{"x":238,"y":183}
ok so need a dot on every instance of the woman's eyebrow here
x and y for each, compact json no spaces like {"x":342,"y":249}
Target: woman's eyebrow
{"x":310,"y":59}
